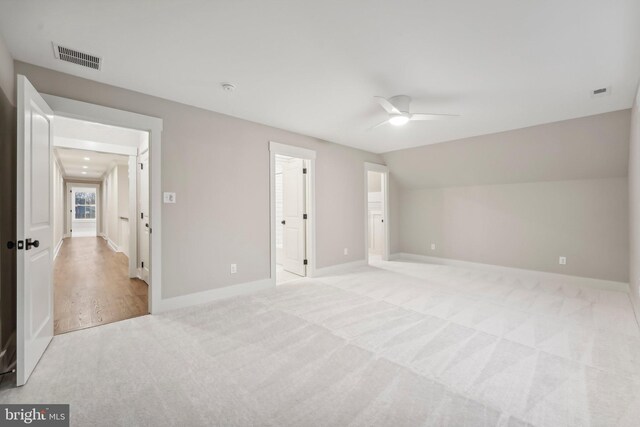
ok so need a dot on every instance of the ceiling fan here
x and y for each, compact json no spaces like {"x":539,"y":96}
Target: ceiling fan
{"x":399,"y":114}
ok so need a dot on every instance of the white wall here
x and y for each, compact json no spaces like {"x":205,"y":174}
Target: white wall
{"x":634,"y":204}
{"x":116,"y":207}
{"x":59,"y":205}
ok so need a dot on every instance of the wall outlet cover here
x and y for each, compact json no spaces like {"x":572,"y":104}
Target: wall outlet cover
{"x":562,"y":260}
{"x":433,"y":246}
{"x":346,"y":251}
{"x":234,"y":268}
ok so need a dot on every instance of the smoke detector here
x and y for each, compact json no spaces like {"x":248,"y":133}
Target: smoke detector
{"x":76,"y":57}
{"x":228,"y":87}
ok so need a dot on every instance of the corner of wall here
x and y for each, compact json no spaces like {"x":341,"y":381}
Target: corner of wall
{"x":7,"y":72}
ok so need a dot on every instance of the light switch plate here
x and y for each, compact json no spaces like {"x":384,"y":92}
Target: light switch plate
{"x":169,"y":197}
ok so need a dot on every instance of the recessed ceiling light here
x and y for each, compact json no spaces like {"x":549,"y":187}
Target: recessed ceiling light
{"x":85,"y":167}
{"x":87,"y":158}
{"x":84,"y":173}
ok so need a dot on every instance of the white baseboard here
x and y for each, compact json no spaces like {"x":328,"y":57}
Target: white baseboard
{"x":213,"y":294}
{"x":339,"y":268}
{"x":635,"y":302}
{"x":57,"y":249}
{"x":583,"y":281}
{"x":111,"y":244}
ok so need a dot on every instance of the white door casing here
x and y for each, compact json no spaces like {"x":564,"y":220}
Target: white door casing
{"x":144,"y":263}
{"x":293,"y":207}
{"x":35,"y":224}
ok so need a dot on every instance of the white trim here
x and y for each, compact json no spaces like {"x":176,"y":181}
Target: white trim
{"x":111,"y":116}
{"x":213,"y":294}
{"x":291,"y":151}
{"x":60,"y":142}
{"x":69,"y":205}
{"x":112,"y":245}
{"x":340,"y":268}
{"x":384,"y":170}
{"x":565,"y":278}
{"x":57,"y":249}
{"x":310,"y":157}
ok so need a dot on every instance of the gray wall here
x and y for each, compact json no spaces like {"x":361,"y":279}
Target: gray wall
{"x":7,"y":211}
{"x":634,"y":204}
{"x":524,"y":225}
{"x":219,"y":168}
{"x":520,"y":198}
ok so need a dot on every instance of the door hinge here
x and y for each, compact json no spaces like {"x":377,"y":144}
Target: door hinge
{"x":141,"y":166}
{"x":142,"y":266}
{"x":305,"y":262}
{"x":304,"y":216}
{"x":304,"y":170}
{"x":141,"y":215}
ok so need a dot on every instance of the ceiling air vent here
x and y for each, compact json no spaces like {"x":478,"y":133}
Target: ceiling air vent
{"x":76,"y":57}
{"x":603,"y":91}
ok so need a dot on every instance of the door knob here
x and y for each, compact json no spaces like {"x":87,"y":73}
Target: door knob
{"x":282,"y":222}
{"x":11,"y":245}
{"x":147,"y":225}
{"x":28,"y":243}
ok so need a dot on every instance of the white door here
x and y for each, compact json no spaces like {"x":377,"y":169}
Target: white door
{"x":377,"y":233}
{"x":143,"y":216}
{"x":34,"y":227}
{"x":293,"y":207}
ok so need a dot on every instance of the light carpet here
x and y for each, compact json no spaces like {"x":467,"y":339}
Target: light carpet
{"x":398,"y":344}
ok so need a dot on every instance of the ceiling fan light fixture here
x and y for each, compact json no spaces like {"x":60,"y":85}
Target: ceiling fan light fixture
{"x":399,"y":120}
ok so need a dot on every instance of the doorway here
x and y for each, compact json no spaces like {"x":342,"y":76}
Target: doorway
{"x":292,"y":215}
{"x":376,"y":213}
{"x":93,"y":282}
{"x":37,"y":183}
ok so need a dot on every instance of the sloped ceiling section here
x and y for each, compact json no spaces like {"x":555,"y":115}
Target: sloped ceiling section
{"x":585,"y":148}
{"x":313,"y":67}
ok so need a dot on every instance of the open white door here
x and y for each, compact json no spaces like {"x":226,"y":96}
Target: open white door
{"x":143,"y":217}
{"x":293,"y":207}
{"x":34,"y":227}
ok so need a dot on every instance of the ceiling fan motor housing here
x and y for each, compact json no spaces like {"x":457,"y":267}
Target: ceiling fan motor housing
{"x":401,"y":102}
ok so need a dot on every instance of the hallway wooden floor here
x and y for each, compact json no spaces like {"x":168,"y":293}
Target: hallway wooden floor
{"x":92,"y":287}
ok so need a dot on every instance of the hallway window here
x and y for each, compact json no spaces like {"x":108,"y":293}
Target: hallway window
{"x":85,"y":205}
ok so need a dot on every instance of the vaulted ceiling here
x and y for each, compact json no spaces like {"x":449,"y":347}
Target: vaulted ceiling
{"x":313,"y":67}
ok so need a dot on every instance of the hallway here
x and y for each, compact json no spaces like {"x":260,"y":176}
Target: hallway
{"x":92,"y":287}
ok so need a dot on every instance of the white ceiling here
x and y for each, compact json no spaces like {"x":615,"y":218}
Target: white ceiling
{"x":74,"y":161}
{"x":96,"y":132}
{"x":314,"y":66}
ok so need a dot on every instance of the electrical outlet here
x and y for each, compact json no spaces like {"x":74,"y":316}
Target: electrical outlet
{"x":433,"y":246}
{"x":562,"y":260}
{"x":234,"y":268}
{"x":346,"y":251}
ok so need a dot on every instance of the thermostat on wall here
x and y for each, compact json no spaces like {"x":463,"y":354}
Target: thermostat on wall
{"x":169,"y":197}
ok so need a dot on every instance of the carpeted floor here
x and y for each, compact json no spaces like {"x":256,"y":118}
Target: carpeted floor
{"x":403,"y":344}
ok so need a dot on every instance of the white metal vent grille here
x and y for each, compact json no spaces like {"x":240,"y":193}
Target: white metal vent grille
{"x":76,"y":57}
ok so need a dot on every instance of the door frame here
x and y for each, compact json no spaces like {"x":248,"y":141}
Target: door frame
{"x":384,"y":170}
{"x":276,"y":148}
{"x":68,"y":187}
{"x":110,"y":116}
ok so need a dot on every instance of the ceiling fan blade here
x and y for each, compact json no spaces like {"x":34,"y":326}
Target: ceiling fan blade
{"x":389,"y":107}
{"x":379,"y":124}
{"x":421,"y":116}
